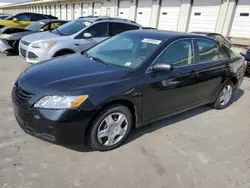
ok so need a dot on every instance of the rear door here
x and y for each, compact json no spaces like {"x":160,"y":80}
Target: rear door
{"x":213,"y":62}
{"x":167,"y":92}
{"x":99,"y":32}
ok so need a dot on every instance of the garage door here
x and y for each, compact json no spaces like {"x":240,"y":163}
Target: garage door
{"x":144,"y":12}
{"x":69,"y":12}
{"x":241,"y":22}
{"x":85,"y":9}
{"x":97,"y":9}
{"x":169,"y":14}
{"x":204,"y":15}
{"x":52,"y":10}
{"x":58,"y":15}
{"x":124,"y":9}
{"x":77,"y":11}
{"x":63,"y":12}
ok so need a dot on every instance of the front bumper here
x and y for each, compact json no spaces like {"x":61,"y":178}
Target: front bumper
{"x":4,"y":46}
{"x":56,"y":126}
{"x":33,"y":55}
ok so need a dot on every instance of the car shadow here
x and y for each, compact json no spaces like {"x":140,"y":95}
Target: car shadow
{"x":147,"y":129}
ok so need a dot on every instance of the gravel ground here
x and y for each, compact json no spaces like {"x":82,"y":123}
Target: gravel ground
{"x":201,"y":148}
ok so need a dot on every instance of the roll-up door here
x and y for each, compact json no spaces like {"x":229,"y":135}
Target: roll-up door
{"x":124,"y":9}
{"x":241,"y":22}
{"x":144,"y":10}
{"x":204,"y":15}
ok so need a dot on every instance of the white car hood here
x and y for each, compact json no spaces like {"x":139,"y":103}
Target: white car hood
{"x":43,"y":36}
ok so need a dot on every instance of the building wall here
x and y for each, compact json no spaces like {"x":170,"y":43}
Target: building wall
{"x":187,"y":11}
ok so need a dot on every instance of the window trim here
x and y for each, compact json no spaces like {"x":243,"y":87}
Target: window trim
{"x":218,"y":46}
{"x":149,"y":70}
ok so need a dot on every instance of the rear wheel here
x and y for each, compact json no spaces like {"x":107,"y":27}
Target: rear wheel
{"x":224,"y":97}
{"x":110,"y":128}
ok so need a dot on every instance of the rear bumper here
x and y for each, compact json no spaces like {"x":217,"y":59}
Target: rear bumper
{"x":4,"y":46}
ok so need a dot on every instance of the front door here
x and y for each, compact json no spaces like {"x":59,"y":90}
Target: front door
{"x":99,"y":32}
{"x":167,"y":92}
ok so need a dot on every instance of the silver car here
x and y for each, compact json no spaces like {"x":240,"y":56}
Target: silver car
{"x":72,"y":37}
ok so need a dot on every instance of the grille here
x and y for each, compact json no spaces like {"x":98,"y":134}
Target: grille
{"x":23,"y":52}
{"x":25,"y":42}
{"x":31,"y":55}
{"x":21,"y":96}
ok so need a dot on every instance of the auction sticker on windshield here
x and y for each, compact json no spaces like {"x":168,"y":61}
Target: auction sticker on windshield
{"x":87,"y":23}
{"x":151,"y":41}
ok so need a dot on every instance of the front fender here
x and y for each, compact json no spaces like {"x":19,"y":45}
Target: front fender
{"x":59,"y":46}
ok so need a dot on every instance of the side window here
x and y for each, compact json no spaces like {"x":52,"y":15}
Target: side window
{"x":37,"y":17}
{"x":98,"y":30}
{"x":178,"y":54}
{"x":219,"y":38}
{"x":46,"y":27}
{"x":55,"y":25}
{"x":117,"y":28}
{"x":210,"y":51}
{"x":23,"y":17}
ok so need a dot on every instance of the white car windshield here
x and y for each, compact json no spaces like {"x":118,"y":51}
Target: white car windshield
{"x":72,"y":27}
{"x":124,"y":50}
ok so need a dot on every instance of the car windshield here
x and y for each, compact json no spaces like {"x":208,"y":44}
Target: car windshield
{"x":124,"y":50}
{"x":9,"y":18}
{"x":72,"y":27}
{"x":36,"y":26}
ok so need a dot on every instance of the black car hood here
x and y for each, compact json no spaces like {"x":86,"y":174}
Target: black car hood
{"x":70,"y":73}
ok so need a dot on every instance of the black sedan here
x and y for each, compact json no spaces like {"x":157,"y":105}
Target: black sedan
{"x":10,"y":36}
{"x":127,"y":81}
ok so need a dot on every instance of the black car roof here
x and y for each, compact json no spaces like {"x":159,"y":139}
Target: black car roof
{"x":167,"y":34}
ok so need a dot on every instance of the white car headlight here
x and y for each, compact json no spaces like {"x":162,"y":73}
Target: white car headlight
{"x":43,"y":44}
{"x":6,"y":36}
{"x":60,"y":102}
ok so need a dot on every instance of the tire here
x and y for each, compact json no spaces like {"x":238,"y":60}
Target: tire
{"x":106,"y":140}
{"x":16,"y":47}
{"x":221,"y":102}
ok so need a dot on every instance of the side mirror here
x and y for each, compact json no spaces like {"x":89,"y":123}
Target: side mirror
{"x":14,"y":20}
{"x":162,"y":68}
{"x":87,"y":35}
{"x":40,"y":30}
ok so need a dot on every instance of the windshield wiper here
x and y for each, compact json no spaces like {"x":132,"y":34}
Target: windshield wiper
{"x":97,"y":59}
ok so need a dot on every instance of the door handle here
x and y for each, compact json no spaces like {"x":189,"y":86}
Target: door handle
{"x":194,"y":74}
{"x":77,"y":44}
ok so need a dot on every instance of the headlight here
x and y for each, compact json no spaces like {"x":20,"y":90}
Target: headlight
{"x":60,"y":102}
{"x":5,"y":36}
{"x":43,"y":44}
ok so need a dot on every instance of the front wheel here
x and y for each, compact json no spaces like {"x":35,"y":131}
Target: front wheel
{"x":110,"y":128}
{"x":224,"y":97}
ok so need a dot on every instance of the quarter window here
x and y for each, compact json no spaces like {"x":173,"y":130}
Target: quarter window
{"x":210,"y":51}
{"x":117,"y":28}
{"x":178,"y":54}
